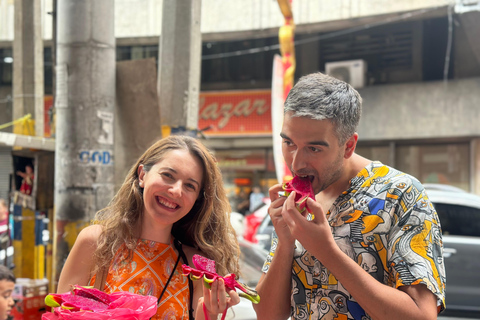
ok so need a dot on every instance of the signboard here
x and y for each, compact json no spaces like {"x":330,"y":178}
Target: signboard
{"x":235,"y":113}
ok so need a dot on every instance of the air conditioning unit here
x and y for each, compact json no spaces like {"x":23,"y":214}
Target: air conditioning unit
{"x":351,"y":71}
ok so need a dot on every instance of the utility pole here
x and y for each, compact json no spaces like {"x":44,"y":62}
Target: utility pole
{"x":179,"y":64}
{"x":28,"y":65}
{"x":84,"y":102}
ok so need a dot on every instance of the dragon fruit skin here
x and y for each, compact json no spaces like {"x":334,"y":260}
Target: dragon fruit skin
{"x":303,"y":189}
{"x":206,"y":268}
{"x":74,"y":302}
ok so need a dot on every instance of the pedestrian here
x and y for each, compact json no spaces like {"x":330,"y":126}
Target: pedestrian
{"x":27,"y":180}
{"x":374,"y":247}
{"x":256,"y":198}
{"x":171,"y":206}
{"x":7,"y":284}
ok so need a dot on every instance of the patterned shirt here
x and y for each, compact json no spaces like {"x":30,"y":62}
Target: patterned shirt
{"x":147,"y":274}
{"x":386,"y":223}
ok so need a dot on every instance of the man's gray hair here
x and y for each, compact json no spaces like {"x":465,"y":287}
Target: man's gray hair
{"x":319,"y":97}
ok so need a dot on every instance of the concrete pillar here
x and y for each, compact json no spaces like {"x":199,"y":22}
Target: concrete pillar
{"x":28,"y":64}
{"x":84,"y":102}
{"x":179,"y":63}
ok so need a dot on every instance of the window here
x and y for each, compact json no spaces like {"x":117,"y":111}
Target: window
{"x":459,"y":220}
{"x":436,"y":163}
{"x":6,"y":67}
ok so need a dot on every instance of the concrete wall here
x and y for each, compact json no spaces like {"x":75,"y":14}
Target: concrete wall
{"x":421,"y":110}
{"x":143,"y":18}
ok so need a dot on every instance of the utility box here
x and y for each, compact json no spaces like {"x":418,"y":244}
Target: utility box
{"x":353,"y":72}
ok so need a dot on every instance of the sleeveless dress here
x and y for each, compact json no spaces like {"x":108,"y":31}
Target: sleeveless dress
{"x":147,"y":274}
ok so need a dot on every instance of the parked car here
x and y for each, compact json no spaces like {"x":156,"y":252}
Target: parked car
{"x":459,"y":214}
{"x":253,"y":220}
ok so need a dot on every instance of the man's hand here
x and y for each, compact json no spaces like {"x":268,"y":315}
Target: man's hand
{"x":275,"y":212}
{"x":309,"y":233}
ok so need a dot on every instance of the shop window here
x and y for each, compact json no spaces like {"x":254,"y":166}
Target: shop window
{"x":436,"y":163}
{"x":6,"y":67}
{"x":136,"y":52}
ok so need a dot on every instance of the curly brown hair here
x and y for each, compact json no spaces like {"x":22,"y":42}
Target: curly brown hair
{"x":206,"y":227}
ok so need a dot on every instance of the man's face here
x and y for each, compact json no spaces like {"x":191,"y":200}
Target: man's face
{"x":6,"y":300}
{"x":310,"y":147}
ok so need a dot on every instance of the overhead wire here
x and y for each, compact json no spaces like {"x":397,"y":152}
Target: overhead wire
{"x":401,"y":17}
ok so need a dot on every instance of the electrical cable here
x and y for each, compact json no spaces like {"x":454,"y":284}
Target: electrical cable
{"x":404,"y":16}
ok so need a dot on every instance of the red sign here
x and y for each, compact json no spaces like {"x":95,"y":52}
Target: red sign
{"x":235,"y":113}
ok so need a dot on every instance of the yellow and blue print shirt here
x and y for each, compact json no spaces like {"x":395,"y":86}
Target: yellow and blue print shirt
{"x":387,"y":224}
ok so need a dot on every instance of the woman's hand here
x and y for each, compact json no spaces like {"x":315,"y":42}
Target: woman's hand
{"x":215,"y":301}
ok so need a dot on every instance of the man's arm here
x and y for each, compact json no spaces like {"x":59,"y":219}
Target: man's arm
{"x":274,"y":286}
{"x":409,"y":302}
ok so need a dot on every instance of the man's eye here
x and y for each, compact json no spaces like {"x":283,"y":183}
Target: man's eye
{"x":315,"y":149}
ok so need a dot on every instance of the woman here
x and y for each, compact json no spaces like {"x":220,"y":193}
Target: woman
{"x":173,"y":195}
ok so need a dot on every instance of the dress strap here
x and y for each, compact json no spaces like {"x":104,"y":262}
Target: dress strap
{"x":168,"y":281}
{"x":178,"y":246}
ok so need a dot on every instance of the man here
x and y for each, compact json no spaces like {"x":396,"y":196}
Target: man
{"x":374,"y":248}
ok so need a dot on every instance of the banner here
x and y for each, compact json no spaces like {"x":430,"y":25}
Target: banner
{"x":277,"y":117}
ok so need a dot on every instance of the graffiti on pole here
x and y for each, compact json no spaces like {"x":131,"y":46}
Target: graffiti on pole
{"x":95,"y":157}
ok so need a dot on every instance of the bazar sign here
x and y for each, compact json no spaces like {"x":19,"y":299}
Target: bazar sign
{"x":236,"y":112}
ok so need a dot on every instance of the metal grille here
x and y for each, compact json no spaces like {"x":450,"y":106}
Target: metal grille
{"x":385,"y":49}
{"x":6,"y":168}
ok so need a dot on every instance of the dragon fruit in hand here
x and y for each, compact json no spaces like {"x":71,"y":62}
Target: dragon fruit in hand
{"x":205,"y":268}
{"x":303,"y":189}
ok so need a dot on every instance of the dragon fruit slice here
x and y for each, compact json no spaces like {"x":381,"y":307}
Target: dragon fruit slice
{"x":205,"y":268}
{"x":303,"y":189}
{"x":92,"y":293}
{"x":74,"y":302}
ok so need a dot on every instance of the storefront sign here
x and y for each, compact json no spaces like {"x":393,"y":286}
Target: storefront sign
{"x":236,"y":113}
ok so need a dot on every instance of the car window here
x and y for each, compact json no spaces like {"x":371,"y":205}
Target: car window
{"x":458,"y":220}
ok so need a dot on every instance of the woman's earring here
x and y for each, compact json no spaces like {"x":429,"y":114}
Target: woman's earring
{"x":140,"y":183}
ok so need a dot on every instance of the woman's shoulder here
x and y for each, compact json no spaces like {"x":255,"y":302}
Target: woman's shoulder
{"x":89,"y":235}
{"x":190,"y":251}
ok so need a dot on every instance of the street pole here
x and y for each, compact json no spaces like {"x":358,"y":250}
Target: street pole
{"x":28,"y":65}
{"x":179,"y":65}
{"x":84,"y":102}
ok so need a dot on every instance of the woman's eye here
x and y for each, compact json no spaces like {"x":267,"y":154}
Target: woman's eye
{"x":190,"y":186}
{"x":168,"y":175}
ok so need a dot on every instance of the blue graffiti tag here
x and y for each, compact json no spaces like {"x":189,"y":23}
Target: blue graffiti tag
{"x":95,"y":157}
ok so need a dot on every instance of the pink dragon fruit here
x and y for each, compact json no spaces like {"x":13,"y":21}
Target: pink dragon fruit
{"x":205,"y":268}
{"x":303,"y":189}
{"x":89,"y":303}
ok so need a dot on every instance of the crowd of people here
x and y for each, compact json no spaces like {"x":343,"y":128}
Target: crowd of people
{"x":373,"y":250}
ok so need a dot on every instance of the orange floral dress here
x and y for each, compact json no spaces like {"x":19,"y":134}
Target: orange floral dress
{"x":147,"y":274}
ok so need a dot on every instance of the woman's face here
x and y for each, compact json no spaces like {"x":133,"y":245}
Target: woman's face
{"x":6,"y":300}
{"x":171,"y":187}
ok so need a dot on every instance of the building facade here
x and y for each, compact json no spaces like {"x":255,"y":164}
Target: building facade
{"x":420,"y":77}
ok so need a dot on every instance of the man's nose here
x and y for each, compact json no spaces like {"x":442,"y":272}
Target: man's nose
{"x":298,"y":160}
